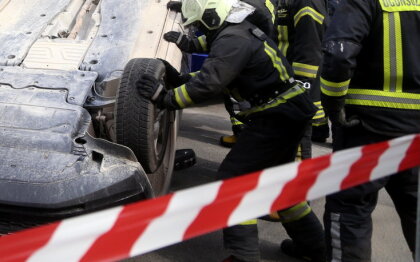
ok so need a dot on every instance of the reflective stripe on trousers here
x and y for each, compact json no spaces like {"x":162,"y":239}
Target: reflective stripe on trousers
{"x":335,"y":238}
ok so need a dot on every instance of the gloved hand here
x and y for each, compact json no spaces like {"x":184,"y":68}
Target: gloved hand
{"x":334,"y":108}
{"x":173,"y":77}
{"x":174,"y":6}
{"x":339,"y":118}
{"x":150,"y":88}
{"x":183,"y":42}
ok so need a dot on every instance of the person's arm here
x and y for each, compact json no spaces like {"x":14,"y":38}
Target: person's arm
{"x":228,"y":56}
{"x":186,"y":43}
{"x":309,"y":18}
{"x":341,"y":47}
{"x":183,"y":41}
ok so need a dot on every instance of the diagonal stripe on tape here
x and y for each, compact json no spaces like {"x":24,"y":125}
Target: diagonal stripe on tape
{"x":390,"y":160}
{"x":360,"y":171}
{"x":295,"y":191}
{"x":73,"y":237}
{"x":171,"y":226}
{"x":411,"y":157}
{"x":258,"y":202}
{"x":215,"y":215}
{"x":17,"y":248}
{"x":330,"y":179}
{"x":131,"y":223}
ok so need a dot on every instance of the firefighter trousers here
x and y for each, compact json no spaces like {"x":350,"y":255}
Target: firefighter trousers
{"x":347,"y":217}
{"x":266,"y":142}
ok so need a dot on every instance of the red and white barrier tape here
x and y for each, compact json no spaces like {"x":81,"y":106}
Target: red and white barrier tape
{"x":135,"y":229}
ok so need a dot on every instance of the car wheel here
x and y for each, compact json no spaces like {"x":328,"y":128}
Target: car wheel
{"x":140,"y":125}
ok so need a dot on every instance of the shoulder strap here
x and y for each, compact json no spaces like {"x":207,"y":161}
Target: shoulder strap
{"x":258,"y":33}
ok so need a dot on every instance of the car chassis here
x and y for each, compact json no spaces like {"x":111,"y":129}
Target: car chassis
{"x":66,"y":145}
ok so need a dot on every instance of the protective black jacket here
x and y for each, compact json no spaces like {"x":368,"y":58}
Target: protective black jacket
{"x":245,"y":63}
{"x":372,"y":60}
{"x":301,"y":26}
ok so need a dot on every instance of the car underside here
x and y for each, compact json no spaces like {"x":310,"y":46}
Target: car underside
{"x":75,"y":136}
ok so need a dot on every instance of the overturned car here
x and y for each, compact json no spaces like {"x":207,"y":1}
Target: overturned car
{"x":75,"y":136}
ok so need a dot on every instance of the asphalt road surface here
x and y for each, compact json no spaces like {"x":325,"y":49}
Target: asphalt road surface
{"x":200,"y":130}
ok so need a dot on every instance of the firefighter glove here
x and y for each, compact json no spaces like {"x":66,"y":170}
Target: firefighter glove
{"x":334,"y":107}
{"x":174,"y":6}
{"x":183,"y":42}
{"x":150,"y":88}
{"x":173,"y":77}
{"x":339,"y":118}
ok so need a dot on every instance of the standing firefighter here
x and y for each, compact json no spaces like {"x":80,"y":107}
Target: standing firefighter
{"x":244,"y":62}
{"x":370,"y":83}
{"x":301,"y":25}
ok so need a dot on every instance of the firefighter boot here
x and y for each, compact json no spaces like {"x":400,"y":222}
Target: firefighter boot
{"x":308,"y":242}
{"x":228,"y":141}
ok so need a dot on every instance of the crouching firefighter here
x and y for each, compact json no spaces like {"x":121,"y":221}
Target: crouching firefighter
{"x":244,"y":62}
{"x":263,"y":17}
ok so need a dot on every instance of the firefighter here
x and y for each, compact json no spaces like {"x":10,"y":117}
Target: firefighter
{"x":301,"y":25}
{"x":370,"y":85}
{"x":300,"y":28}
{"x":264,"y":18}
{"x":245,"y":63}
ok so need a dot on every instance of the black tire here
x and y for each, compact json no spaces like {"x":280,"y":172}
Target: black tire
{"x":141,"y":126}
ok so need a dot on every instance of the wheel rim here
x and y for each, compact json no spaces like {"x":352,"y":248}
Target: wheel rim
{"x":160,"y":134}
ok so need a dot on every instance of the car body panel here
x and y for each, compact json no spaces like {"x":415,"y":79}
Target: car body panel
{"x":60,"y":63}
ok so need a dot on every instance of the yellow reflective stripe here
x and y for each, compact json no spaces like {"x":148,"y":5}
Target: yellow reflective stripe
{"x":203,"y":42}
{"x":393,"y":57}
{"x":271,"y":8}
{"x":295,"y":213}
{"x":318,"y":104}
{"x":249,"y":222}
{"x":283,"y":37}
{"x":399,"y":51}
{"x":320,"y":122}
{"x":277,"y":63}
{"x":235,"y":121}
{"x":368,"y":97}
{"x":308,"y":11}
{"x":319,"y":114}
{"x":306,"y":66}
{"x":389,"y":95}
{"x":280,"y":99}
{"x":305,"y":70}
{"x":292,"y":92}
{"x":400,"y":5}
{"x":335,"y":84}
{"x":387,"y":60}
{"x":182,"y":97}
{"x":193,"y":74}
{"x":334,"y":88}
{"x":298,"y":158}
